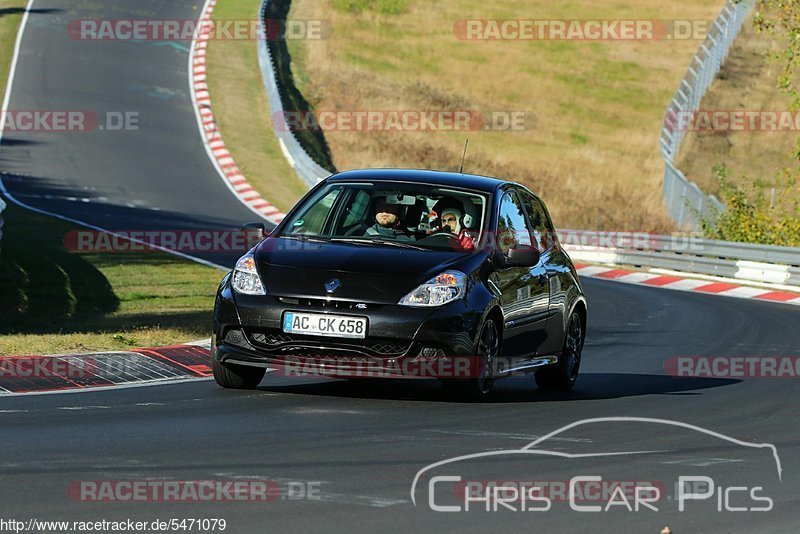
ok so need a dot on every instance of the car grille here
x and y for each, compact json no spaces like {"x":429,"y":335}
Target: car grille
{"x":326,"y":303}
{"x":295,"y":344}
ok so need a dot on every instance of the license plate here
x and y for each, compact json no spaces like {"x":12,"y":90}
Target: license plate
{"x":317,"y":324}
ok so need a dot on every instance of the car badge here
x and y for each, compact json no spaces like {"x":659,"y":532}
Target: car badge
{"x":332,"y":285}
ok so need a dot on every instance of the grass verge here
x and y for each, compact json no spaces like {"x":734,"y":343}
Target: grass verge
{"x":55,"y":301}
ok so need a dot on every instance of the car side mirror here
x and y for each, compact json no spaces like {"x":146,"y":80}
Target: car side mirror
{"x":522,"y":256}
{"x":256,"y":226}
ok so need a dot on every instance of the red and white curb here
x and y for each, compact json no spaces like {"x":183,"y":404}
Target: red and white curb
{"x":27,"y":375}
{"x":215,"y":146}
{"x":706,"y":287}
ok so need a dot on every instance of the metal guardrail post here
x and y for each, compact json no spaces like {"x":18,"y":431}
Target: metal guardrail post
{"x":2,"y":207}
{"x":678,"y":191}
{"x":744,"y":261}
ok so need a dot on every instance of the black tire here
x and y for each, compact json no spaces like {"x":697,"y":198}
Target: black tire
{"x":488,"y":350}
{"x":563,"y":375}
{"x":237,"y":376}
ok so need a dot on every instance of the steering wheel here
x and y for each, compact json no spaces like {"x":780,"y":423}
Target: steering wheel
{"x":442,"y":232}
{"x":359,"y":229}
{"x":438,"y":239}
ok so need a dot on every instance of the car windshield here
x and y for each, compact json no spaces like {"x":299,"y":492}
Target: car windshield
{"x":419,"y":216}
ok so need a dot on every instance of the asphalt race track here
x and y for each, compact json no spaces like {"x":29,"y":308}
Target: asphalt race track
{"x":157,"y":177}
{"x":364,"y":443}
{"x":349,"y":451}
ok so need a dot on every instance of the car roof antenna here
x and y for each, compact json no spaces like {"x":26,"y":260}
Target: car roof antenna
{"x":464,"y":155}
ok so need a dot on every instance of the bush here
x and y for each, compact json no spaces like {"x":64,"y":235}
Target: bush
{"x":757,"y":214}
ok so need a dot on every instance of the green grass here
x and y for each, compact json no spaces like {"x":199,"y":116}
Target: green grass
{"x":384,"y":7}
{"x":54,"y":300}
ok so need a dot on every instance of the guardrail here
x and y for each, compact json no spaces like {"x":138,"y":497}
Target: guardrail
{"x":305,"y":167}
{"x":743,"y":261}
{"x":683,"y":198}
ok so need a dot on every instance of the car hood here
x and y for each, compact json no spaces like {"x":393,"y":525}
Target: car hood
{"x":367,"y":273}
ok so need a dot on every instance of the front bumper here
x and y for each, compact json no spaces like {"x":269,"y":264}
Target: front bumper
{"x":401,"y":341}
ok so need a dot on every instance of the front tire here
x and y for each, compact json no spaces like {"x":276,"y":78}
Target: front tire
{"x":480,"y":387}
{"x":563,"y":375}
{"x":232,"y":376}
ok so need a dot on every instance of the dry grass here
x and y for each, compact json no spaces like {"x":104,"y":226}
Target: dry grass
{"x":748,"y":81}
{"x":593,"y":152}
{"x":242,"y":113}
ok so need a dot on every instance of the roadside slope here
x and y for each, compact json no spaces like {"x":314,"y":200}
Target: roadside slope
{"x":747,"y":82}
{"x":592,"y":151}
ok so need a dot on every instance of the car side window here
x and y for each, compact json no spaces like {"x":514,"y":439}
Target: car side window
{"x":357,"y":210}
{"x":511,"y":226}
{"x":312,"y":220}
{"x":539,"y":226}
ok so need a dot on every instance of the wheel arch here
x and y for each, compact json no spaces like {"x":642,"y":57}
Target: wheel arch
{"x":579,"y":307}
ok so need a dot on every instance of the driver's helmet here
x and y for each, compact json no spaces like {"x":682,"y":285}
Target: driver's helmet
{"x":449,"y":208}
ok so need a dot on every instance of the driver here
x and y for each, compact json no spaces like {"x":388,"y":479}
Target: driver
{"x":388,"y":223}
{"x":451,"y":220}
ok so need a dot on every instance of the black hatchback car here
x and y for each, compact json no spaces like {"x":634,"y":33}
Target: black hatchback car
{"x":405,"y":273}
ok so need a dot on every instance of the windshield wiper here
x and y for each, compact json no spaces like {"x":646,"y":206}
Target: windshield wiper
{"x":306,"y":238}
{"x":401,"y":244}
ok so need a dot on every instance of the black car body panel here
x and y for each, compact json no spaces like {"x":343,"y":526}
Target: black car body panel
{"x":531,"y":304}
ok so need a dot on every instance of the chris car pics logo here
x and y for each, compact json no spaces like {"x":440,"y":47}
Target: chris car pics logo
{"x":448,"y":488}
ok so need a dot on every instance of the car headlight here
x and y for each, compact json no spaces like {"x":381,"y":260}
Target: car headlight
{"x":439,"y":290}
{"x":245,"y":277}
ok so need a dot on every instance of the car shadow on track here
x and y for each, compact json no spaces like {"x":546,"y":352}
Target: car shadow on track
{"x":590,"y":386}
{"x":19,"y":10}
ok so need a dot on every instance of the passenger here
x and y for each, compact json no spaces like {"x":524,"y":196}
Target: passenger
{"x":387,"y":223}
{"x":450,"y":221}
